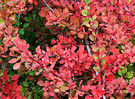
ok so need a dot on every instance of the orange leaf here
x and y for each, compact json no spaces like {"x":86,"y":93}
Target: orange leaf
{"x":80,"y":35}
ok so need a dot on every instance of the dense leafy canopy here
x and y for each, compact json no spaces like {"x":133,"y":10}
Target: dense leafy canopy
{"x":73,"y":49}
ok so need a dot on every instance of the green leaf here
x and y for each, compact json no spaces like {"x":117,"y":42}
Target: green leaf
{"x":36,"y":97}
{"x":35,"y":89}
{"x":21,"y":31}
{"x":96,"y":68}
{"x":87,"y":1}
{"x":21,"y":88}
{"x":34,"y":16}
{"x":95,"y":57}
{"x":124,"y":70}
{"x":125,"y":91}
{"x":25,"y":84}
{"x":95,"y":24}
{"x":91,"y":19}
{"x":129,"y":75}
{"x":31,"y":73}
{"x":129,"y":1}
{"x":86,"y":20}
{"x":120,"y":73}
{"x":41,"y":93}
{"x":25,"y":25}
{"x":26,"y":19}
{"x":122,"y":67}
{"x":103,"y":61}
{"x":84,"y":12}
{"x":94,"y":49}
{"x":87,"y":7}
{"x":94,"y":17}
{"x":2,"y":21}
{"x":18,"y":23}
{"x":30,"y":18}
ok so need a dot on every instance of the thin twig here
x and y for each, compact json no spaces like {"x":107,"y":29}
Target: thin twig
{"x":29,"y":89}
{"x":87,"y":46}
{"x":48,"y":6}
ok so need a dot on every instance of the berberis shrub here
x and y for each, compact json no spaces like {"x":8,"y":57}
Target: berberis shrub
{"x":67,"y":49}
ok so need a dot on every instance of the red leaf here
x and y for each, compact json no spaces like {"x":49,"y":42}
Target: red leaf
{"x":35,"y":2}
{"x":5,"y":75}
{"x":41,"y":83}
{"x":80,"y":4}
{"x":110,"y":77}
{"x":115,"y":51}
{"x":38,"y":50}
{"x":14,"y":60}
{"x":53,"y":41}
{"x":51,"y":93}
{"x":16,"y":66}
{"x":89,"y":97}
{"x":1,"y":62}
{"x":18,"y":88}
{"x":94,"y":92}
{"x":3,"y":97}
{"x":98,"y":77}
{"x":15,"y":77}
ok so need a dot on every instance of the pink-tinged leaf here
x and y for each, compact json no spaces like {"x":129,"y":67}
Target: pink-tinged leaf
{"x":42,"y":13}
{"x":89,"y":97}
{"x":75,"y":6}
{"x":18,"y":88}
{"x":81,"y":48}
{"x":110,"y":77}
{"x":98,"y":78}
{"x":38,"y":50}
{"x":53,"y":64}
{"x":3,"y":97}
{"x":35,"y":2}
{"x":14,"y":60}
{"x":53,"y":41}
{"x":115,"y":51}
{"x":132,"y":60}
{"x":68,"y":74}
{"x":16,"y":66}
{"x":30,"y":1}
{"x":51,"y":93}
{"x":73,"y":49}
{"x":80,"y":4}
{"x":15,"y":77}
{"x":94,"y":92}
{"x":80,"y":82}
{"x":41,"y":83}
{"x":85,"y":88}
{"x":87,"y":66}
{"x":45,"y":93}
{"x":0,"y":94}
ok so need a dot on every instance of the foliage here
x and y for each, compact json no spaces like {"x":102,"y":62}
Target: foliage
{"x":75,"y":49}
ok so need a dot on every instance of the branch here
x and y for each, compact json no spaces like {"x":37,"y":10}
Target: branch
{"x":87,"y":46}
{"x":109,"y":46}
{"x":48,"y":6}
